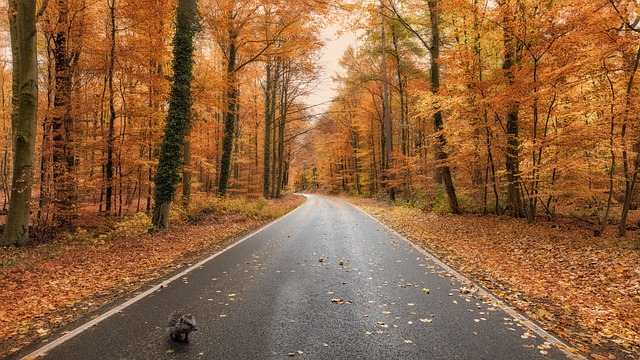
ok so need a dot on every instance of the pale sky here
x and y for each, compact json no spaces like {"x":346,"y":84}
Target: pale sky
{"x":330,"y":59}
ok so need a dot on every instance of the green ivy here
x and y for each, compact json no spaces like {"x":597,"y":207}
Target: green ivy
{"x":179,"y":114}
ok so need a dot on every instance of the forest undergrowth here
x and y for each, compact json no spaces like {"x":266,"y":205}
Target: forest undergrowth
{"x":583,"y":288}
{"x":44,"y":287}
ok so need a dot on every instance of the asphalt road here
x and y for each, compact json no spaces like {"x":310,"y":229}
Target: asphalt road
{"x":324,"y":282}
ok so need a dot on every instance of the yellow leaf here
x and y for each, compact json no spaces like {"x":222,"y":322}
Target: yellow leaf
{"x":542,"y":313}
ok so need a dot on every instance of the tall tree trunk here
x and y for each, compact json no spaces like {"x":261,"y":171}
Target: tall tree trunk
{"x":612,"y":151}
{"x":46,"y":158}
{"x":179,"y":115}
{"x":285,"y":74}
{"x":630,"y":180}
{"x":229,"y":116}
{"x":512,"y":151}
{"x":274,"y":132}
{"x":355,"y":144}
{"x":404,"y":110}
{"x":386,"y":120}
{"x":186,"y":173}
{"x":438,"y":125}
{"x":112,"y":110}
{"x":22,"y":18}
{"x":284,"y":98}
{"x":63,"y":124}
{"x":268,"y":120}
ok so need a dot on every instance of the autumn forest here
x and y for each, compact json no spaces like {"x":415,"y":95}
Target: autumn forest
{"x":525,"y":108}
{"x":153,"y":110}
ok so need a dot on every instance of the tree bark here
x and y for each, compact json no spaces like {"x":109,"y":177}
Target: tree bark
{"x":512,"y":151}
{"x":179,"y":115}
{"x":22,"y":18}
{"x":630,"y":183}
{"x":112,"y":110}
{"x":186,"y":173}
{"x":268,"y":119}
{"x":386,"y":121}
{"x":438,"y":125}
{"x":229,"y":115}
{"x":284,"y":110}
{"x":63,"y":124}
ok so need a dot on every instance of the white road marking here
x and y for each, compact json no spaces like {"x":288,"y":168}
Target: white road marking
{"x":42,"y":351}
{"x":525,"y":321}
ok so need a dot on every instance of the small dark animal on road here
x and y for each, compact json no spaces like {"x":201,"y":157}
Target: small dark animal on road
{"x":180,"y":324}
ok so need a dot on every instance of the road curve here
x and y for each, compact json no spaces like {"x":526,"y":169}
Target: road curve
{"x":325,"y":282}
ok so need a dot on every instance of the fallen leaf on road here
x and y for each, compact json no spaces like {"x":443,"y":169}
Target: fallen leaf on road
{"x":337,"y":301}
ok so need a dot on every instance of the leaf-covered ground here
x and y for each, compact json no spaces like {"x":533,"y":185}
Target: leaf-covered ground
{"x":46,"y":286}
{"x":583,"y":288}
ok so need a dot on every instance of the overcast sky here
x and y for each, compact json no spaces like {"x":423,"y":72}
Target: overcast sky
{"x":331,"y":55}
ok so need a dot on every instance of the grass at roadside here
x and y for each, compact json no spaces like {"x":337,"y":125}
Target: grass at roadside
{"x":43,"y":287}
{"x":585,"y":289}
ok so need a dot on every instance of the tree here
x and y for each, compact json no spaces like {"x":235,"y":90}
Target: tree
{"x":269,"y":115}
{"x":66,"y":35}
{"x":386,"y":117}
{"x":22,"y":18}
{"x":246,"y":32}
{"x":109,"y":166}
{"x":633,"y":63}
{"x":178,"y":118}
{"x":438,"y":126}
{"x":443,"y":171}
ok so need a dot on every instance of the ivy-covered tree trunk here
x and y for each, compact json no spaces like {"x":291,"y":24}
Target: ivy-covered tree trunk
{"x":229,"y":116}
{"x":269,"y":115}
{"x":179,"y":115}
{"x":22,"y":19}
